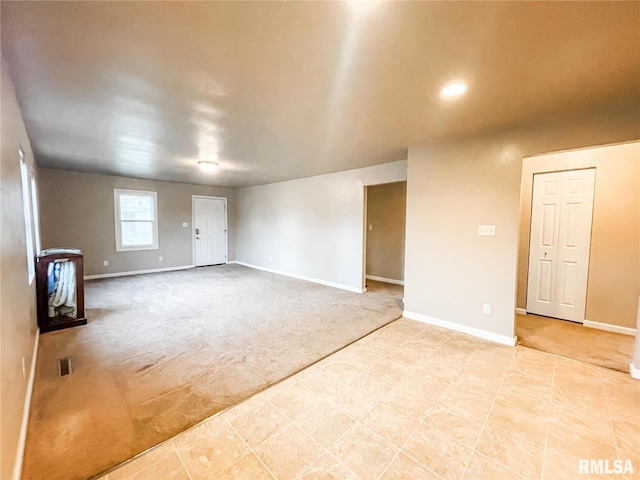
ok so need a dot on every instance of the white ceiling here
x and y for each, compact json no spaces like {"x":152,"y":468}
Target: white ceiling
{"x":275,"y":91}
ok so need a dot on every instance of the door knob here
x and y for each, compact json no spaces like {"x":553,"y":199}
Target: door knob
{"x":197,"y":231}
{"x":545,"y":254}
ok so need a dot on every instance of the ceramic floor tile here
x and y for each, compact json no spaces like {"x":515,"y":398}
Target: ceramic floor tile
{"x":209,"y":455}
{"x":376,"y":383}
{"x":592,"y":423}
{"x":327,"y":468}
{"x":404,"y":468}
{"x":535,"y":356}
{"x":259,"y":423}
{"x":535,"y":404}
{"x":426,"y":383}
{"x":438,"y":452}
{"x":353,"y":402}
{"x":411,"y":400}
{"x":169,"y":468}
{"x":455,"y":423}
{"x":430,"y":338}
{"x":325,"y":424}
{"x":627,"y":433}
{"x":482,"y":467}
{"x":345,"y":371}
{"x":511,"y":451}
{"x":361,"y":355}
{"x":529,"y":426}
{"x":363,"y":452}
{"x":521,"y":364}
{"x":470,"y":401}
{"x":287,"y":453}
{"x":197,"y":431}
{"x":580,"y":383}
{"x":397,"y":369}
{"x":578,"y":398}
{"x":390,"y":423}
{"x":295,"y":401}
{"x":567,"y":442}
{"x":562,"y":467}
{"x":486,"y":383}
{"x":160,"y":461}
{"x":247,"y":467}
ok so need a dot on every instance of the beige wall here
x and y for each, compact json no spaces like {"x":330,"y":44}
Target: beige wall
{"x":386,"y":209}
{"x":77,"y":211}
{"x":614,"y":264}
{"x":311,"y":227}
{"x":18,"y":324}
{"x":457,"y":184}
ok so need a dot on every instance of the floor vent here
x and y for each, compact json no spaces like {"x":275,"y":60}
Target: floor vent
{"x":64,"y":366}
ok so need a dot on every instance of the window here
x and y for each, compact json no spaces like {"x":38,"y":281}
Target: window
{"x":36,"y":213}
{"x":136,"y":220}
{"x":28,"y":217}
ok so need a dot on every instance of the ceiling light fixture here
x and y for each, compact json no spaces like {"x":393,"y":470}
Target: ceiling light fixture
{"x":454,"y":89}
{"x":208,"y":167}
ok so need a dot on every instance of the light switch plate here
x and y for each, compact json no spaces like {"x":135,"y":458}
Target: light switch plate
{"x":185,"y":224}
{"x":487,"y":230}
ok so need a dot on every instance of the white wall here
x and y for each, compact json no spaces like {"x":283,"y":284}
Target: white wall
{"x":311,"y":227}
{"x":455,"y":185}
{"x":18,"y":324}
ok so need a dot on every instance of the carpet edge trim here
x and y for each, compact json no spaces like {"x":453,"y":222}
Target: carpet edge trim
{"x":609,"y":328}
{"x":476,"y":332}
{"x":22,"y":439}
{"x":341,"y":286}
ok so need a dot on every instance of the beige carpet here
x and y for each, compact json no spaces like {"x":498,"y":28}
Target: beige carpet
{"x":573,"y":340}
{"x":162,"y":352}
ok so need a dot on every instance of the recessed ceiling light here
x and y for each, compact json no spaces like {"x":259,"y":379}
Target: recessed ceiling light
{"x":208,"y":166}
{"x":454,"y":89}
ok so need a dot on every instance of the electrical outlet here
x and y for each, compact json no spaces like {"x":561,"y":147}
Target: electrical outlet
{"x":486,"y":309}
{"x":105,"y":263}
{"x":160,"y":258}
{"x":269,"y":259}
{"x":370,"y":227}
{"x":24,"y":367}
{"x":487,"y":230}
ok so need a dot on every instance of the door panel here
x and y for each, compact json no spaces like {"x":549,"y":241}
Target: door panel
{"x":210,"y":230}
{"x":561,"y":215}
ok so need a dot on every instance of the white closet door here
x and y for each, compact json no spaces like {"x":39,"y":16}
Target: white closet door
{"x":561,"y":215}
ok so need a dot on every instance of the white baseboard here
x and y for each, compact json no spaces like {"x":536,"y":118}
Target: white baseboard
{"x":302,"y":277}
{"x":635,"y":372}
{"x":17,"y":466}
{"x":476,"y":332}
{"x":385,"y":280}
{"x":610,"y":328}
{"x":137,"y":272}
{"x":521,"y":311}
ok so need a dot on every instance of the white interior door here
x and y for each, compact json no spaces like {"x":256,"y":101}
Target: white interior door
{"x":210,"y":230}
{"x":561,"y":215}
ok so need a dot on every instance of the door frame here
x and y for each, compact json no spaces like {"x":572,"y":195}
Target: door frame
{"x":193,"y":227}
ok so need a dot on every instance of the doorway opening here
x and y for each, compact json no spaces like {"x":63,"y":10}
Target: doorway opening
{"x":209,"y":233}
{"x":384,"y":238}
{"x":578,"y":261}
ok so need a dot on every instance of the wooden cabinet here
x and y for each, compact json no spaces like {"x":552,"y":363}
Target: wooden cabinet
{"x":60,"y":289}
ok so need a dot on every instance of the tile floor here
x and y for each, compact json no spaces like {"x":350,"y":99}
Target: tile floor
{"x":415,"y":401}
